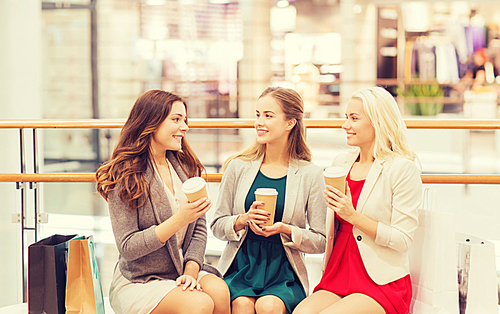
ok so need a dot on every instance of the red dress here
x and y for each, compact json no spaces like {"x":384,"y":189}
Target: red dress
{"x":346,"y":274}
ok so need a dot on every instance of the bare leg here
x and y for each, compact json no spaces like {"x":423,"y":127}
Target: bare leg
{"x":316,"y":302}
{"x":270,"y":304}
{"x":355,"y":303}
{"x":178,"y":301}
{"x":217,"y":289}
{"x":243,"y":305}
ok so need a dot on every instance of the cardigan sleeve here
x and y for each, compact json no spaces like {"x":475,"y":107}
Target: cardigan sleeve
{"x":198,"y":244}
{"x":406,"y":199}
{"x":132,"y":243}
{"x":222,"y":225}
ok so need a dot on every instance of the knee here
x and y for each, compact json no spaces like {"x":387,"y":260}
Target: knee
{"x":243,"y":304}
{"x":202,"y":304}
{"x":207,"y":306}
{"x":218,"y":289}
{"x":269,"y":306}
{"x":301,"y":309}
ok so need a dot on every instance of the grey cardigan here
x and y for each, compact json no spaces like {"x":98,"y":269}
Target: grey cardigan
{"x":304,"y":206}
{"x":142,"y":256}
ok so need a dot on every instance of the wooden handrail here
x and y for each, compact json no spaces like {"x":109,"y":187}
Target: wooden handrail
{"x":238,"y":124}
{"x":62,"y":124}
{"x":89,"y":177}
{"x":70,"y":177}
{"x":243,"y":123}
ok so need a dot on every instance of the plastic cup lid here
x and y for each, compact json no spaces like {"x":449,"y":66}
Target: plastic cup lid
{"x":334,"y":172}
{"x":193,"y":184}
{"x":266,"y":191}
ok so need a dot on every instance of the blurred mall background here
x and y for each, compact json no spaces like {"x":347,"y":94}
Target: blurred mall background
{"x":82,"y":59}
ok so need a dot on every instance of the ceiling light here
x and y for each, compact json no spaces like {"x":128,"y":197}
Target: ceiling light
{"x":156,"y":2}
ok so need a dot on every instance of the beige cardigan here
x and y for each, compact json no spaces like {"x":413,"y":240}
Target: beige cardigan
{"x":391,"y":195}
{"x":305,"y":211}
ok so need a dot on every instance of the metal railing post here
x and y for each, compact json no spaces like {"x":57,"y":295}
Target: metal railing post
{"x":34,"y":185}
{"x":22,"y":187}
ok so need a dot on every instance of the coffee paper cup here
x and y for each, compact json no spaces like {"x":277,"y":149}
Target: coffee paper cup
{"x":335,"y":176}
{"x":195,"y":188}
{"x":268,"y":196}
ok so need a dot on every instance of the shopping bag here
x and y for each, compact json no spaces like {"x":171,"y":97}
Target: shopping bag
{"x":433,"y":260}
{"x":47,"y":262}
{"x":83,"y":288}
{"x":477,"y":275}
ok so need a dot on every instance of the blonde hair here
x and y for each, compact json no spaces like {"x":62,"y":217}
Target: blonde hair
{"x":385,"y":117}
{"x":292,"y":106}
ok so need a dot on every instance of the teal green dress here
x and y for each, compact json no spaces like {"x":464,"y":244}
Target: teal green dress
{"x":261,"y":267}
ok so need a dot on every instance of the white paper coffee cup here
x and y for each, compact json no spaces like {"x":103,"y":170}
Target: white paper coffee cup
{"x":195,"y":188}
{"x":268,"y":196}
{"x":335,"y":176}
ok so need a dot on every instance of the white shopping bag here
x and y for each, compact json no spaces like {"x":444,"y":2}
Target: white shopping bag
{"x":433,"y":260}
{"x":477,"y":275}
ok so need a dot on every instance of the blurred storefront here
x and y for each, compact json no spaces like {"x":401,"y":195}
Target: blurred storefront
{"x":97,"y":56}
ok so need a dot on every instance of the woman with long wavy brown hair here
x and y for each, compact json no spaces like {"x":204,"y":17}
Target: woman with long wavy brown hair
{"x":160,"y":236}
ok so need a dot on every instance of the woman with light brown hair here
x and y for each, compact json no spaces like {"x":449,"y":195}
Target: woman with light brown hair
{"x":160,"y":236}
{"x":264,"y":266}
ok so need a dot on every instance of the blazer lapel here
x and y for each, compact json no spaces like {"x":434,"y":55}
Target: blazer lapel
{"x":292,"y":187}
{"x":162,"y":211}
{"x":247,"y":178}
{"x":183,"y":177}
{"x":371,"y":179}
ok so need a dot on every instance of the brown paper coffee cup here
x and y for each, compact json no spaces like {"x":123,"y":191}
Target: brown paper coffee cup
{"x":268,"y":196}
{"x":335,"y":176}
{"x":195,"y":188}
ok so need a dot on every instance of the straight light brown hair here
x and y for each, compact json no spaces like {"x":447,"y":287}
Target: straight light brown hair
{"x":292,"y":106}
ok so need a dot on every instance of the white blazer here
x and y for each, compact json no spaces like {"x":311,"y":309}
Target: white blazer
{"x":391,"y":195}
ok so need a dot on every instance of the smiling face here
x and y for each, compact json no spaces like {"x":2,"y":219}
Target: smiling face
{"x":169,"y":134}
{"x":358,"y":127}
{"x":271,"y":124}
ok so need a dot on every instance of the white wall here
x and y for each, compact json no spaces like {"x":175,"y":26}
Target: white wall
{"x":20,"y":90}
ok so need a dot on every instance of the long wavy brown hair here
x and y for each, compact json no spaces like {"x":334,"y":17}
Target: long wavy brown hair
{"x":292,"y":106}
{"x":132,"y":155}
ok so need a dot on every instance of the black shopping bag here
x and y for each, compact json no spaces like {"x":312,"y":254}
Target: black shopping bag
{"x":47,"y":265}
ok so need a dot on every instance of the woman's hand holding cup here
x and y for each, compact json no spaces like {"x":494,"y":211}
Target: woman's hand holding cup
{"x":197,"y":202}
{"x":254,"y":214}
{"x":189,"y":212}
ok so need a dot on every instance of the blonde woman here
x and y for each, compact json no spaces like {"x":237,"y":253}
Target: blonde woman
{"x":264,"y":266}
{"x":368,"y":269}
